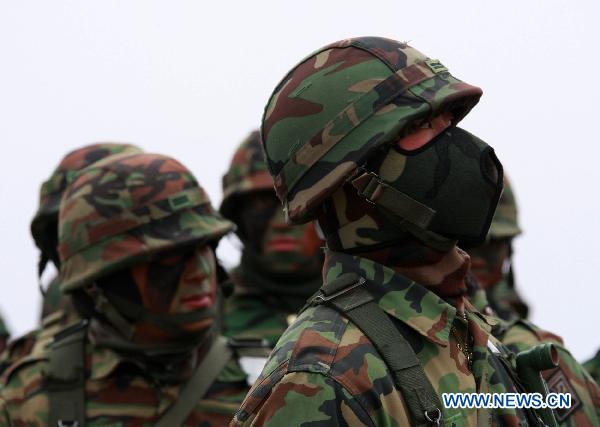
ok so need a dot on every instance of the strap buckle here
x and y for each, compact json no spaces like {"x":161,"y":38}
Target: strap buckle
{"x":376,"y":191}
{"x":321,"y":298}
{"x":434,"y":416}
{"x":366,"y":183}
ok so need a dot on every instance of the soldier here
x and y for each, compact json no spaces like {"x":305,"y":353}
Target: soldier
{"x":492,"y":263}
{"x":360,"y":135}
{"x":280,"y":265}
{"x":492,"y":291}
{"x":136,"y":238}
{"x":57,"y":311}
{"x":569,"y":377}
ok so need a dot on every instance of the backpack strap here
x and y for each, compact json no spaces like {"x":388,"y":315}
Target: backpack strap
{"x":196,"y":387}
{"x":348,"y":296}
{"x":66,"y":377}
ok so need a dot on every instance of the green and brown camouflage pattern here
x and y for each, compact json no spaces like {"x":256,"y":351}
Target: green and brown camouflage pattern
{"x":569,"y":377}
{"x":120,"y":212}
{"x":253,"y":312}
{"x":270,"y":285}
{"x":324,"y":371}
{"x":450,"y":176}
{"x":57,"y":310}
{"x":593,"y":367}
{"x":247,"y":173}
{"x":34,"y":343}
{"x":507,"y":301}
{"x":44,"y":224}
{"x":331,"y":111}
{"x":55,"y":301}
{"x":505,"y":223}
{"x":492,"y":261}
{"x":519,"y":335}
{"x":254,"y":316}
{"x":115,"y":398}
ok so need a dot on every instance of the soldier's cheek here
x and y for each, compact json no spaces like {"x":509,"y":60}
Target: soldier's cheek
{"x":197,"y":287}
{"x":487,"y":273}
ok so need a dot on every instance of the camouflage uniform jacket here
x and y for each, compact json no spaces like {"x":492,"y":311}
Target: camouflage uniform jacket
{"x":252,"y":314}
{"x":117,"y":393}
{"x":519,"y":335}
{"x":35,"y":342}
{"x":570,"y":377}
{"x":324,"y":371}
{"x":249,"y":316}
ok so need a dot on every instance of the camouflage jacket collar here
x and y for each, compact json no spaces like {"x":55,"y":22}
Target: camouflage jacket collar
{"x":408,"y":301}
{"x":104,"y":362}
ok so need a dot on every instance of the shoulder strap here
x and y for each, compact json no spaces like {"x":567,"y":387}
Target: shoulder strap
{"x":207,"y":371}
{"x":348,"y":296}
{"x":66,"y":377}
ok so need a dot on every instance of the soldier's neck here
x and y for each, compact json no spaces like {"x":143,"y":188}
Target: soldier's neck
{"x":443,"y":273}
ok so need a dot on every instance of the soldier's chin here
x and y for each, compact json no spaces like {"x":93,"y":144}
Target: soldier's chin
{"x":197,"y":326}
{"x":149,"y":334}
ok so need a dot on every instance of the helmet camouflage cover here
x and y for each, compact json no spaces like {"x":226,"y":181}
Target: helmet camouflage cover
{"x":343,"y":102}
{"x":123,"y":210}
{"x":44,"y":223}
{"x":247,"y":173}
{"x":504,"y":223}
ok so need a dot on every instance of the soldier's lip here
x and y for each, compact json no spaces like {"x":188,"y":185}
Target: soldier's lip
{"x":197,"y":301}
{"x":283,"y":244}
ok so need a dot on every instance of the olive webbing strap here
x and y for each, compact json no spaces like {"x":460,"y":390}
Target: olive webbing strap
{"x":375,"y":190}
{"x":401,"y":210}
{"x":66,"y":377}
{"x":196,"y":387}
{"x":358,"y":305}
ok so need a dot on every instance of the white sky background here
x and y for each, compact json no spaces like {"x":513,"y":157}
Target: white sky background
{"x":190,"y":79}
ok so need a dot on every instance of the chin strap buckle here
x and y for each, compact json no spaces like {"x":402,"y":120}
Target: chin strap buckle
{"x":375,"y":191}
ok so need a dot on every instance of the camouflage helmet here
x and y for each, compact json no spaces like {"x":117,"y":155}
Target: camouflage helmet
{"x":247,"y":173}
{"x":504,"y":223}
{"x":341,"y":103}
{"x":44,"y":224}
{"x":123,"y":210}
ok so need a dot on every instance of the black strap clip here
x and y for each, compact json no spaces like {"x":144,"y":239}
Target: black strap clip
{"x":322,"y":297}
{"x":434,"y":416}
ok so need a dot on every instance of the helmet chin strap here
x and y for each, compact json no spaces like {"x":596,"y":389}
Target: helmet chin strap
{"x":123,"y":314}
{"x":401,"y":210}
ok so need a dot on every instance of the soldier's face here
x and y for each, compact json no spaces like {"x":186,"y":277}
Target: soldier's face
{"x":267,"y":231}
{"x":179,"y":283}
{"x":426,"y":133}
{"x":490,"y":262}
{"x":280,"y":237}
